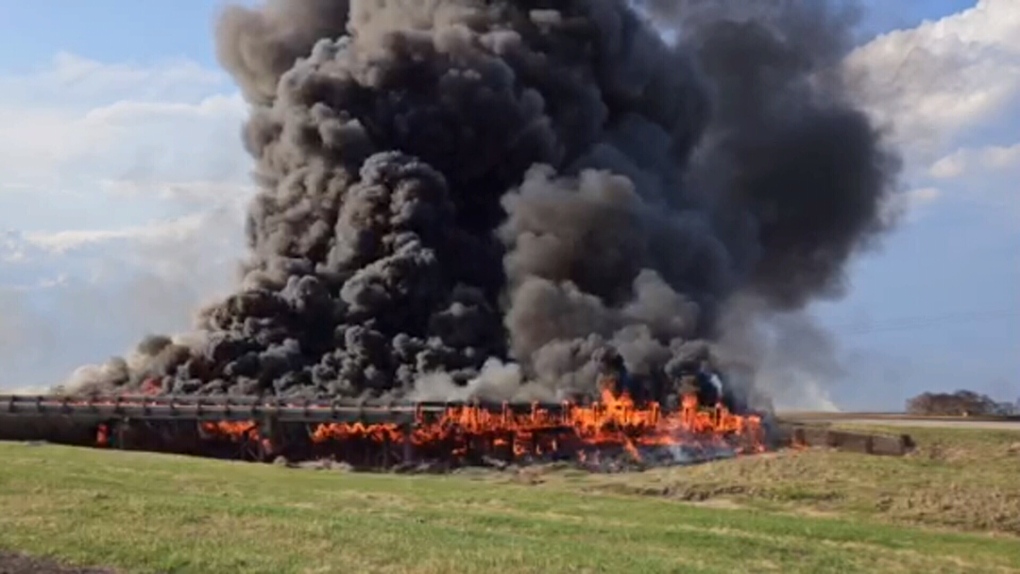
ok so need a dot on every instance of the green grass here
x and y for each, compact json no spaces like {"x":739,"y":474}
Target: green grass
{"x":153,"y":513}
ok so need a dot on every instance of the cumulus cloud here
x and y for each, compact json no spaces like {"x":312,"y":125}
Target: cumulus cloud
{"x":942,"y":86}
{"x":943,"y":78}
{"x":985,"y":176}
{"x":93,"y":83}
{"x":967,"y":161}
{"x":118,"y":183}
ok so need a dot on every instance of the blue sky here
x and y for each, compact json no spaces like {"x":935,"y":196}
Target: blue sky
{"x":107,"y":30}
{"x":122,"y":186}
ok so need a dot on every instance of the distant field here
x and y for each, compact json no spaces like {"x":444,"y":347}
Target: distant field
{"x":901,"y":418}
{"x":798,"y":512}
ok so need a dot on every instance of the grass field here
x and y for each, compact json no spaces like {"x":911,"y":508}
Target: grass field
{"x":952,"y":507}
{"x":958,"y":478}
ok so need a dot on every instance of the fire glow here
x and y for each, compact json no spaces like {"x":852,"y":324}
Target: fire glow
{"x":575,"y":432}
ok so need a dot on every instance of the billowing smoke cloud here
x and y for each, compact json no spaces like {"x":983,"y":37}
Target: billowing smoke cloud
{"x":463,"y":197}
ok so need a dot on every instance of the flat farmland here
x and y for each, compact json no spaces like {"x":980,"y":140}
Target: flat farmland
{"x":952,"y":506}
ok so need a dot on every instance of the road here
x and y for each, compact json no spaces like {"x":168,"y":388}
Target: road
{"x":937,"y":423}
{"x":904,"y":421}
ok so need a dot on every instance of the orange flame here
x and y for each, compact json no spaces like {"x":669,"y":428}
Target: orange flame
{"x":575,"y":431}
{"x":151,"y":386}
{"x":614,"y":422}
{"x":234,"y":430}
{"x":103,"y":435}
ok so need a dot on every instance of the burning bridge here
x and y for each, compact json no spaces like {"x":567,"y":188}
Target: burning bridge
{"x":378,"y":433}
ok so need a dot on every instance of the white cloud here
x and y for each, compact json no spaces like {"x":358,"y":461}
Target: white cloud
{"x":966,"y":161}
{"x":76,"y":296}
{"x":59,"y":149}
{"x":61,"y":242}
{"x":922,"y":196}
{"x":944,"y":77}
{"x":73,"y":128}
{"x":187,"y":192}
{"x":984,"y":176}
{"x":948,"y":167}
{"x":70,"y":81}
{"x":942,"y":86}
{"x":122,"y":195}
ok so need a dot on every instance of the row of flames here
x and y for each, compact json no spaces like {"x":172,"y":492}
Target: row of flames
{"x":612,"y":423}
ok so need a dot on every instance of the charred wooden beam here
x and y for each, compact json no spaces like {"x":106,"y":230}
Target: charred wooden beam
{"x":214,"y":409}
{"x":243,"y":409}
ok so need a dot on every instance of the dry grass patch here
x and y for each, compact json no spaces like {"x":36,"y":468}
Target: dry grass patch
{"x":965,"y":479}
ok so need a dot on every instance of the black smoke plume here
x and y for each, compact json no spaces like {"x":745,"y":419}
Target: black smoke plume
{"x":463,"y":197}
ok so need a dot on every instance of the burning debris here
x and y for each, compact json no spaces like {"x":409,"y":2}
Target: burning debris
{"x":485,"y":199}
{"x":581,"y":433}
{"x":613,"y":432}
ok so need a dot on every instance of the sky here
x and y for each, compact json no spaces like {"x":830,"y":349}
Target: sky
{"x":123,"y":186}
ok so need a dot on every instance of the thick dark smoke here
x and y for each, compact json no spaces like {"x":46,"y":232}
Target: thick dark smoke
{"x":464,"y":197}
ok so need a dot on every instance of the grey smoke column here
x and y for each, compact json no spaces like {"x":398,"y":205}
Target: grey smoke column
{"x":445,"y":182}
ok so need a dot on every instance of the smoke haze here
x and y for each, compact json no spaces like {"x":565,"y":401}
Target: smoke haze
{"x":475,"y":197}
